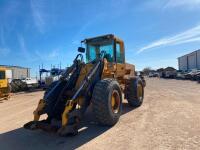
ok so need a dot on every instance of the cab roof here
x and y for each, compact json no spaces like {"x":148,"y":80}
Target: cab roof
{"x":103,"y":37}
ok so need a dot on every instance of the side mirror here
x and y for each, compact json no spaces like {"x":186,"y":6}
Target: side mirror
{"x":81,"y":50}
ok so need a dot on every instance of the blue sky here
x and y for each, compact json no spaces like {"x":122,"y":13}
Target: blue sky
{"x":155,"y":32}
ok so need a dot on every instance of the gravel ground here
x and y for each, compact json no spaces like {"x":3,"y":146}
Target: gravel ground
{"x":168,"y":119}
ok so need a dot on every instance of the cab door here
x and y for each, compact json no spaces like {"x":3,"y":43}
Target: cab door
{"x":120,"y":59}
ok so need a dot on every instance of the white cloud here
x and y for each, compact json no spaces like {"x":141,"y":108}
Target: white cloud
{"x":37,"y":15}
{"x":41,"y":55}
{"x":38,"y":54}
{"x":54,"y":53}
{"x":26,"y":54}
{"x":183,"y":3}
{"x":4,"y":51}
{"x":23,"y":48}
{"x":191,"y":35}
{"x":172,"y":4}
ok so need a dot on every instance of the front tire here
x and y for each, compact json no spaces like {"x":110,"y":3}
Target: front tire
{"x":107,"y":102}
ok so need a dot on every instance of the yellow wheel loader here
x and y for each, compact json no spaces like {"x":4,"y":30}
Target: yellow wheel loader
{"x":4,"y":85}
{"x":100,"y":81}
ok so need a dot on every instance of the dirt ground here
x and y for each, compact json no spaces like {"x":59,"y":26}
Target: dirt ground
{"x":168,"y":119}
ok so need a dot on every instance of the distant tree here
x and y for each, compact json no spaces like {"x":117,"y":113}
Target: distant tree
{"x":170,"y":69}
{"x":146,"y":70}
{"x":160,"y":70}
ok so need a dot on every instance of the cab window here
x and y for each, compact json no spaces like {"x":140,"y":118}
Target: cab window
{"x":109,"y":52}
{"x":119,"y":57}
{"x":94,"y":49}
{"x":91,"y":53}
{"x":2,"y":75}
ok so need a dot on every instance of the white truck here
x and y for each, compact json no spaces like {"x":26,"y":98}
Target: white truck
{"x":31,"y":82}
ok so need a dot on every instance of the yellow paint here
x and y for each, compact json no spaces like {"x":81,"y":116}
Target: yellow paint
{"x":68,"y":108}
{"x":120,"y":70}
{"x":4,"y":81}
{"x":139,"y":90}
{"x":39,"y":108}
{"x":115,"y":101}
{"x":84,"y":71}
{"x":4,"y":88}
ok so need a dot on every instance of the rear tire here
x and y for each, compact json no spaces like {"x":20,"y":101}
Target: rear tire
{"x":134,"y":92}
{"x":107,"y":102}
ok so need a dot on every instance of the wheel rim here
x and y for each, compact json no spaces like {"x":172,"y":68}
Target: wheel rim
{"x":115,"y":101}
{"x":140,"y":91}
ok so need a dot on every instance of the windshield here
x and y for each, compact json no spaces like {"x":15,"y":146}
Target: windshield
{"x":2,"y":75}
{"x":94,"y":49}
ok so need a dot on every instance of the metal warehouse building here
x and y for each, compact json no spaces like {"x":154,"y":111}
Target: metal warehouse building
{"x":16,"y":72}
{"x":189,"y":61}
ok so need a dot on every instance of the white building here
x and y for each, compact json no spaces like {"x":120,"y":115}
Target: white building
{"x":16,"y":72}
{"x":189,"y":61}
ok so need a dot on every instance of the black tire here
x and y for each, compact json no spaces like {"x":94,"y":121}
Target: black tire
{"x":101,"y":101}
{"x":131,"y":92}
{"x":17,"y":85}
{"x":9,"y":88}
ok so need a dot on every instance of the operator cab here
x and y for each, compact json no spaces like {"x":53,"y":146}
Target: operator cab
{"x":111,"y":45}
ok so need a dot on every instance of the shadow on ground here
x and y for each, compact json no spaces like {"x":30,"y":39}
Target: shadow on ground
{"x":3,"y":99}
{"x":22,"y":139}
